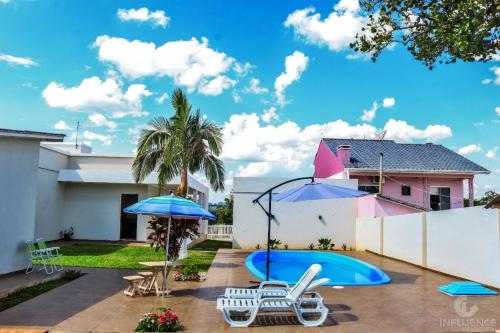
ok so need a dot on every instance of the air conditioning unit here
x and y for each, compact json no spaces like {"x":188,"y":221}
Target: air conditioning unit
{"x":375,"y":179}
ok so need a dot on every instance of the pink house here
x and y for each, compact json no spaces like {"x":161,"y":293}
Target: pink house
{"x":415,"y":177}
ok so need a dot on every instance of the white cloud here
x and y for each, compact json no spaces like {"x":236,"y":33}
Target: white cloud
{"x":401,"y":131}
{"x":369,"y":115}
{"x":99,"y":120}
{"x":255,"y":88}
{"x":188,"y":62}
{"x":492,"y":153}
{"x":497,"y":171}
{"x":236,"y":96}
{"x":496,"y":80}
{"x":242,"y":69}
{"x":4,"y":1}
{"x":497,"y":110}
{"x":478,"y":124}
{"x":295,"y":65}
{"x":469,"y":149}
{"x":93,"y":94}
{"x":336,"y":31}
{"x":216,"y":86}
{"x":157,"y":18}
{"x":17,"y":61}
{"x":161,"y":99}
{"x":270,"y":115}
{"x":287,"y":147}
{"x":61,"y":125}
{"x":106,"y":140}
{"x":254,"y":169}
{"x":389,"y":102}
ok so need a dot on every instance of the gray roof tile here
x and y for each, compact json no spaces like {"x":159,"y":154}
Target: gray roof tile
{"x":365,"y":154}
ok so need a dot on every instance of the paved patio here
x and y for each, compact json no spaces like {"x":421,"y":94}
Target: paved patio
{"x":410,"y":303}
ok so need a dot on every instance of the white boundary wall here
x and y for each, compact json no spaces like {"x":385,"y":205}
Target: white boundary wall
{"x":463,"y":242}
{"x":297,"y":223}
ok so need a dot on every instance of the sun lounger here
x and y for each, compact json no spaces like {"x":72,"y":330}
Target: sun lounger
{"x":296,"y":299}
{"x":271,"y":287}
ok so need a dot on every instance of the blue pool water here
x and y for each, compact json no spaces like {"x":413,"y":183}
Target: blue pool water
{"x":290,"y":265}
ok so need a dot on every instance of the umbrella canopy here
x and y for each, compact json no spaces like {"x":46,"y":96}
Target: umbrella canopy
{"x":169,"y":205}
{"x":317,"y":191}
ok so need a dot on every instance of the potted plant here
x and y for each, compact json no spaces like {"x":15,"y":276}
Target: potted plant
{"x":67,"y":234}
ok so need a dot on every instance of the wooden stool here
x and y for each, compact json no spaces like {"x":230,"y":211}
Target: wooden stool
{"x":146,"y":284}
{"x":133,"y":283}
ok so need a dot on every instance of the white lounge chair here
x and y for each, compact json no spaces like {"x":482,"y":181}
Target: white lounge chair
{"x":296,"y":299}
{"x":270,"y":287}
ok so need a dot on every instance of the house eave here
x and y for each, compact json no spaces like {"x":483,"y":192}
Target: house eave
{"x":408,"y":171}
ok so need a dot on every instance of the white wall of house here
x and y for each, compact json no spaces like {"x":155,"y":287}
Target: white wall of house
{"x":50,"y":194}
{"x":93,"y":210}
{"x":464,"y":242}
{"x":296,"y":224}
{"x":18,"y":183}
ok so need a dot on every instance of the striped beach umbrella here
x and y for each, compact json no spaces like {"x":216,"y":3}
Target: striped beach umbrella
{"x":173,"y":207}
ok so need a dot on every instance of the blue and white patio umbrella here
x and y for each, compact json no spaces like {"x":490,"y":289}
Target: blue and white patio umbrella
{"x":309,"y":191}
{"x":173,"y":207}
{"x":317,"y":191}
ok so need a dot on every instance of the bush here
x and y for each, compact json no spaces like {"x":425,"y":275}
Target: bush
{"x":179,"y":231}
{"x":190,"y":270}
{"x":274,"y":243}
{"x":72,"y":274}
{"x":325,"y":244}
{"x":161,"y":320}
{"x":67,"y":234}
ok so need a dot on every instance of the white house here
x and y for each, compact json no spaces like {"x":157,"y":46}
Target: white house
{"x":48,"y":186}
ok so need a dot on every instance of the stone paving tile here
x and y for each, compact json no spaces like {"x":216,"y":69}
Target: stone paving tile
{"x":410,"y":303}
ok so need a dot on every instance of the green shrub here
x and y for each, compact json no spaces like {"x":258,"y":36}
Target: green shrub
{"x":274,"y":243}
{"x":325,"y":243}
{"x":190,"y":270}
{"x":72,"y":274}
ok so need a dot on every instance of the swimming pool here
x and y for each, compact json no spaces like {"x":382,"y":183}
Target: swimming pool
{"x":290,"y":265}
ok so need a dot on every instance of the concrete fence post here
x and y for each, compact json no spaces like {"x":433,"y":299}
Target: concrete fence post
{"x":424,"y":239}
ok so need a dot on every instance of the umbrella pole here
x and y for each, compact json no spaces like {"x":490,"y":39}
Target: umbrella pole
{"x":164,"y":284}
{"x":269,"y":218}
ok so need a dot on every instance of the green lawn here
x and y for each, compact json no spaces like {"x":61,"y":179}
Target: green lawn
{"x":118,"y":256}
{"x":27,"y":293}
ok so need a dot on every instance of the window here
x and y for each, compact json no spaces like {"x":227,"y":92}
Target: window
{"x":405,"y":190}
{"x":440,"y":198}
{"x":368,"y":188}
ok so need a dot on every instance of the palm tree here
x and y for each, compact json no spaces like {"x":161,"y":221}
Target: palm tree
{"x":184,"y":143}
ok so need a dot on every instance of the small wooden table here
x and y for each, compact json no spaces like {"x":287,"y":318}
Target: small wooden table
{"x":157,"y":269}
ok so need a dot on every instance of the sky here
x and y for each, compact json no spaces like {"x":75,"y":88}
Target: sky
{"x":277,"y":76}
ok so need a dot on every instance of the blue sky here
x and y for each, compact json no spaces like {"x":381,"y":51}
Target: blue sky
{"x":277,"y":76}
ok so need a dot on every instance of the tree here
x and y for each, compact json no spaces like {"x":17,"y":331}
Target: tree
{"x":224,"y":213}
{"x":487,"y":197}
{"x":183,"y":143}
{"x":442,"y":31}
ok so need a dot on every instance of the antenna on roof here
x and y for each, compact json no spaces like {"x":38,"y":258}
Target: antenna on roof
{"x":380,"y":135}
{"x":76,"y":137}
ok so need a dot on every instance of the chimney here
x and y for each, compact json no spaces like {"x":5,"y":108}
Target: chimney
{"x":344,"y":153}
